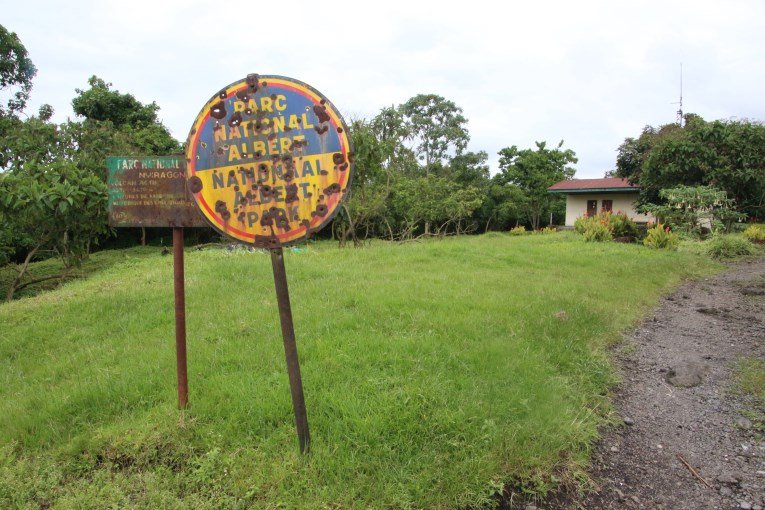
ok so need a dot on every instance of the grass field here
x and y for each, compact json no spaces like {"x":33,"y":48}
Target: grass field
{"x":435,"y":374}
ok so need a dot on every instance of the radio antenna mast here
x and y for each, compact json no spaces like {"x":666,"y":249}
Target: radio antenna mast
{"x":680,"y":110}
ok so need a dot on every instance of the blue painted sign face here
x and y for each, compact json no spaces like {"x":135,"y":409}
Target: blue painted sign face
{"x":268,"y":160}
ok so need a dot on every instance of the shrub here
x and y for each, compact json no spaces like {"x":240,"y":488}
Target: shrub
{"x":622,"y":225}
{"x":518,"y":231}
{"x":730,"y":247}
{"x":598,"y":231}
{"x":546,"y":230}
{"x":661,"y":238}
{"x":580,"y":224}
{"x":619,"y":225}
{"x":599,"y":227}
{"x":755,"y":233}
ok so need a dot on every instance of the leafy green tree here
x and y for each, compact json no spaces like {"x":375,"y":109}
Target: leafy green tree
{"x":504,"y":206}
{"x":436,"y":125}
{"x":16,"y":72}
{"x":101,"y":103}
{"x":729,"y":155}
{"x":500,"y":205}
{"x":365,"y":204}
{"x":430,"y":200}
{"x":75,"y":152}
{"x":694,"y":209}
{"x":470,"y":168}
{"x":133,"y":121}
{"x":32,"y":141}
{"x":533,"y":171}
{"x":56,"y":207}
{"x":390,"y":131}
{"x":115,"y":124}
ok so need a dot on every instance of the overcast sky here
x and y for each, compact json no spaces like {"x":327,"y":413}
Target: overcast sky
{"x":589,"y":73}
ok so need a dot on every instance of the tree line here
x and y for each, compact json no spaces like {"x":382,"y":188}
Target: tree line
{"x":413,"y":176}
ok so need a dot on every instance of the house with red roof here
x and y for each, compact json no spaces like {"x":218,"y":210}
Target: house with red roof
{"x":592,"y":196}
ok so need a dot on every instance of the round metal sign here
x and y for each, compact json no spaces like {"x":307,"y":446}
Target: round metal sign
{"x":268,"y":160}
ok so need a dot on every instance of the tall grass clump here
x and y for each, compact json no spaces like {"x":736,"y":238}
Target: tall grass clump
{"x":730,"y":246}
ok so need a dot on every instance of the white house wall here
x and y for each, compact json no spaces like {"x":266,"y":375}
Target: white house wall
{"x":576,"y":205}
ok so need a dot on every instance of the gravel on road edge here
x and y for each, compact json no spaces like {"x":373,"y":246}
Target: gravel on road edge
{"x":688,"y":441}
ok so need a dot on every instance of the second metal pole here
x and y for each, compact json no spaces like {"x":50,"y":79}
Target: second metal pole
{"x":180,"y":318}
{"x":290,"y":349}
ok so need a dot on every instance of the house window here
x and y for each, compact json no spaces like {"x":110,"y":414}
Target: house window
{"x":607,"y":205}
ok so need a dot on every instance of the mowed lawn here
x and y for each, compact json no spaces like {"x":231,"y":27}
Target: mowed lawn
{"x":435,"y":374}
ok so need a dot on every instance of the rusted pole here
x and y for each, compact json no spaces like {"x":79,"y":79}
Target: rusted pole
{"x":290,"y":349}
{"x":180,"y":318}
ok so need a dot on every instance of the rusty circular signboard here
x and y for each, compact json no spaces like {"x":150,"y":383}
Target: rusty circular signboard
{"x":268,"y":160}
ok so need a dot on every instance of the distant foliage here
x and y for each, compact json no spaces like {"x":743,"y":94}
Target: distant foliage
{"x":660,"y":237}
{"x":103,"y":106}
{"x":413,"y":178}
{"x":520,"y":230}
{"x":16,"y":72}
{"x":52,"y":176}
{"x":436,"y":124}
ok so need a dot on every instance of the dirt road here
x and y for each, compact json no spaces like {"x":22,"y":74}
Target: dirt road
{"x":678,"y":406}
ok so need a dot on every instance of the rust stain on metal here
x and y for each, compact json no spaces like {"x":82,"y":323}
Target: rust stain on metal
{"x":195,"y":184}
{"x":252,"y":81}
{"x":291,"y":193}
{"x":321,"y":210}
{"x":332,"y":188}
{"x":235,"y":119}
{"x":218,"y":111}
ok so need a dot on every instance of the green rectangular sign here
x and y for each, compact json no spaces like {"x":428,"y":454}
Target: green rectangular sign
{"x":150,"y":192}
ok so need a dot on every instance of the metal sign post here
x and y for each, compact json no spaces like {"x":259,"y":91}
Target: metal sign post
{"x":290,"y":348}
{"x":150,"y":191}
{"x":180,"y":319}
{"x":268,"y":161}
